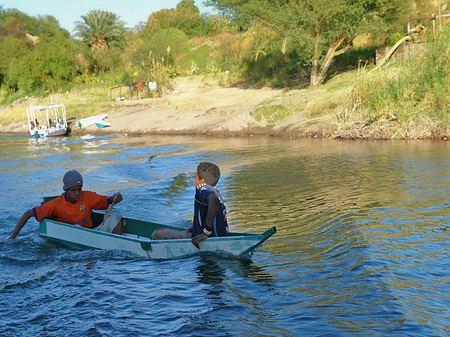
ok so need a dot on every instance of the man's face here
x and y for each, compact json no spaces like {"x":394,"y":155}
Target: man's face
{"x":73,"y":194}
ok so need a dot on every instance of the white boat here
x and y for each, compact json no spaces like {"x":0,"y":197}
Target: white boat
{"x":88,"y":121}
{"x":53,"y":124}
{"x":137,"y":239}
{"x":103,"y":124}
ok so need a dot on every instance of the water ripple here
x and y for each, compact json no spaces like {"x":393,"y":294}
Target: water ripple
{"x":361,"y":246}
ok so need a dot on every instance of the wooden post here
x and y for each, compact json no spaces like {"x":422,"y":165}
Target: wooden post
{"x":434,"y":25}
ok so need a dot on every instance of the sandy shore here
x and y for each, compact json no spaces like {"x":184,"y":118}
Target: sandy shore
{"x":199,"y":106}
{"x":192,"y":108}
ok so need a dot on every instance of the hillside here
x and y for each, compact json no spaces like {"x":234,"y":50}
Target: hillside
{"x":199,"y":106}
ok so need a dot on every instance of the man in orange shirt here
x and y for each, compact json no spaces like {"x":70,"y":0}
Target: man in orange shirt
{"x":74,"y":207}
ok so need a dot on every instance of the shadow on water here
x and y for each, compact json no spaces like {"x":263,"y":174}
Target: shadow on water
{"x":214,"y":270}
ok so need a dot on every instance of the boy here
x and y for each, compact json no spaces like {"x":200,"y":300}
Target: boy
{"x":210,"y":218}
{"x":209,"y":209}
{"x":74,"y":207}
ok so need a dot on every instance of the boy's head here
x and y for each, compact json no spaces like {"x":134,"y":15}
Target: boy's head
{"x":208,"y":171}
{"x":71,"y":179}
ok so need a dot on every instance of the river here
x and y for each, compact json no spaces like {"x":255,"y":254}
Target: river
{"x":361,"y":246}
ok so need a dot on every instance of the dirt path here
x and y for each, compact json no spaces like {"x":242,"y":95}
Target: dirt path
{"x":192,"y":108}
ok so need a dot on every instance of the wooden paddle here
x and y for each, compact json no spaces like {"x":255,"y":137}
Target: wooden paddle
{"x":108,"y":212}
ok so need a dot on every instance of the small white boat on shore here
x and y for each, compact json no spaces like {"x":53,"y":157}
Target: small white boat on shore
{"x":53,"y":123}
{"x":97,"y":120}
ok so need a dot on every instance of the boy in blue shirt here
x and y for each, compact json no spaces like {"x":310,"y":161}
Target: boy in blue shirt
{"x":210,"y":214}
{"x":209,"y":209}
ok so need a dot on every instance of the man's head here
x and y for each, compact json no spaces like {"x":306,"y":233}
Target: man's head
{"x":71,"y":179}
{"x":209,"y":172}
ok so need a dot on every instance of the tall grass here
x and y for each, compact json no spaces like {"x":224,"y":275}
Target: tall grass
{"x":411,"y":90}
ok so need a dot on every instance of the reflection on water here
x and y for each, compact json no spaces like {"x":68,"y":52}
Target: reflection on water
{"x":361,"y":245}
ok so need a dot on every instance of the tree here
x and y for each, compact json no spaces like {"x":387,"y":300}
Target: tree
{"x":99,"y":29}
{"x":317,"y":30}
{"x":104,"y":33}
{"x":186,"y":17}
{"x":36,"y":53}
{"x":47,"y":67}
{"x":11,"y":49}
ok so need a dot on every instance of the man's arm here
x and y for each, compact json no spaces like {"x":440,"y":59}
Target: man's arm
{"x":22,"y":221}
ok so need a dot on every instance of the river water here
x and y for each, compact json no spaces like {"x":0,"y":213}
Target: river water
{"x":362,"y":245}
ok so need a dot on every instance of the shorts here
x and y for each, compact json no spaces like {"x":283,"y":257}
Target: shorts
{"x":110,"y":223}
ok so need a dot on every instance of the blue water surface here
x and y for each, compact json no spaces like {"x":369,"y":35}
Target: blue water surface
{"x":362,"y":245}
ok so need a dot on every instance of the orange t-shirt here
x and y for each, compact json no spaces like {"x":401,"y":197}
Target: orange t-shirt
{"x":79,"y":213}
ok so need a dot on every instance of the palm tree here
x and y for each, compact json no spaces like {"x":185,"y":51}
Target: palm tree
{"x":99,"y":29}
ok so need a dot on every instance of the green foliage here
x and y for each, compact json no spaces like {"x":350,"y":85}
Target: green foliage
{"x":410,"y":90}
{"x":304,"y":32}
{"x":394,"y":38}
{"x":14,"y":23}
{"x":36,"y":54}
{"x":170,"y":43}
{"x":275,"y":44}
{"x":158,"y":58}
{"x":185,"y":17}
{"x":100,"y":29}
{"x":271,"y":113}
{"x":104,"y":33}
{"x":46,"y":68}
{"x":11,"y":49}
{"x":240,"y":14}
{"x":196,"y":61}
{"x":166,"y":48}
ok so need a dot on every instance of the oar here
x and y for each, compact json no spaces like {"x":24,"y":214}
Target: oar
{"x":108,"y":212}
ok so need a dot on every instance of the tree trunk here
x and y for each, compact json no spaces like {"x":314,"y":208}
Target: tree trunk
{"x":315,"y":64}
{"x":318,"y":75}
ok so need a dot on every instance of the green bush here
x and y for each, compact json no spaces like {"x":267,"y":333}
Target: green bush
{"x":46,"y":67}
{"x":394,"y":38}
{"x":410,"y":89}
{"x":199,"y":56}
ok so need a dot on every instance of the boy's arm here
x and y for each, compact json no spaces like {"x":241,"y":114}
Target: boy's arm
{"x":116,"y":198}
{"x":213,"y":206}
{"x":22,"y":221}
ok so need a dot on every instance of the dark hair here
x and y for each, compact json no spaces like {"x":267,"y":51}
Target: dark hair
{"x":210,"y":172}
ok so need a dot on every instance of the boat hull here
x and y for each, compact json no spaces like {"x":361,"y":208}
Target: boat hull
{"x":51,"y":132}
{"x":88,"y":121}
{"x":137,"y":240}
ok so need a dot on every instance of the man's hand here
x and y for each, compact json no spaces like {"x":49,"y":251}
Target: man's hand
{"x":196,"y":239}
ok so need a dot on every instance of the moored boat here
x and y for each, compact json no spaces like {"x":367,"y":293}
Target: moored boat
{"x":137,"y":239}
{"x":97,"y":120}
{"x":53,"y":124}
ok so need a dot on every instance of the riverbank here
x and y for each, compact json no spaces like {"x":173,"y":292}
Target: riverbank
{"x":200,"y":106}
